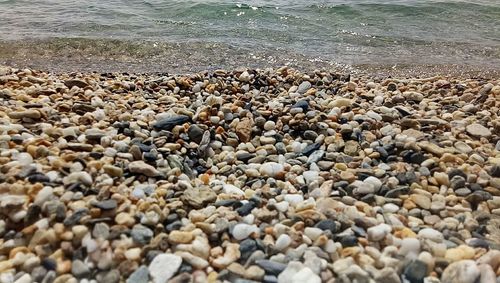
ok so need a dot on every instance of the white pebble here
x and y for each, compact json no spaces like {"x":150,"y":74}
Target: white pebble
{"x":283,"y":242}
{"x":378,"y":233}
{"x":242,"y":231}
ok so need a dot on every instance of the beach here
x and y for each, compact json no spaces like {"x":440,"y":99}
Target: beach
{"x":249,"y":175}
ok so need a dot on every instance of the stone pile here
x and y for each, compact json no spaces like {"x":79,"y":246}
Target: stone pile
{"x":248,"y":176}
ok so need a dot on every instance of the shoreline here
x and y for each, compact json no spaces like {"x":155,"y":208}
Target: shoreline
{"x":248,"y":175}
{"x":63,"y":55}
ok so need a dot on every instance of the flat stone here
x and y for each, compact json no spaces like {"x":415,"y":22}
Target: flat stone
{"x":271,"y":267}
{"x":170,"y":122}
{"x":199,"y":197}
{"x":421,"y":200}
{"x":304,"y":87}
{"x":31,"y":113}
{"x":141,"y":167}
{"x":112,"y":171}
{"x":75,"y":82}
{"x":180,"y":237}
{"x":106,"y":204}
{"x":80,"y":146}
{"x":164,"y":266}
{"x":478,"y":130}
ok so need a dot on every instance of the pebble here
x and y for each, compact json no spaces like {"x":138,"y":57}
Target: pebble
{"x":296,"y":272}
{"x":271,"y":169}
{"x":269,"y":126}
{"x":416,"y":271}
{"x":282,"y":242}
{"x":304,"y":87}
{"x":164,"y":266}
{"x":431,"y":234}
{"x":379,"y":232}
{"x":79,"y":269}
{"x":242,"y":231}
{"x":140,"y":275}
{"x":248,"y":176}
{"x":478,"y":130}
{"x":464,"y":271}
{"x":140,"y":167}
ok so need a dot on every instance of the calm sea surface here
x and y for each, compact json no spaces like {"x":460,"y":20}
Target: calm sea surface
{"x":196,"y":35}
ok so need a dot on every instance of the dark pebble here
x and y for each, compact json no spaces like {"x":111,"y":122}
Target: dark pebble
{"x":310,"y":135}
{"x":195,"y":133}
{"x":400,"y":190}
{"x":478,"y":196}
{"x":392,"y":87}
{"x":38,"y":178}
{"x":144,"y":147}
{"x":244,"y":156}
{"x":495,"y":171}
{"x":475,"y":187}
{"x":150,"y":157}
{"x":75,"y":217}
{"x":245,"y":209}
{"x":304,"y":104}
{"x":247,"y":247}
{"x":415,"y":271}
{"x":382,"y":151}
{"x":369,"y":198}
{"x":170,"y":122}
{"x":96,"y":155}
{"x":33,"y":214}
{"x":151,"y":255}
{"x":309,"y":149}
{"x":185,"y":268}
{"x":349,"y":241}
{"x":81,"y":109}
{"x":478,"y":243}
{"x":141,"y":234}
{"x":227,"y":203}
{"x":417,"y":158}
{"x":270,"y":279}
{"x":457,"y":182}
{"x":75,"y":82}
{"x":271,"y":267}
{"x":176,"y":225}
{"x":49,"y":263}
{"x":60,"y":212}
{"x":327,"y":224}
{"x":106,"y":204}
{"x":456,"y":172}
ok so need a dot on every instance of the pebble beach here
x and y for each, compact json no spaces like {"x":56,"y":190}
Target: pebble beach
{"x":248,"y":175}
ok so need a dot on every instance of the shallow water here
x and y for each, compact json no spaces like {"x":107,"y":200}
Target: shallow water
{"x":196,"y":35}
